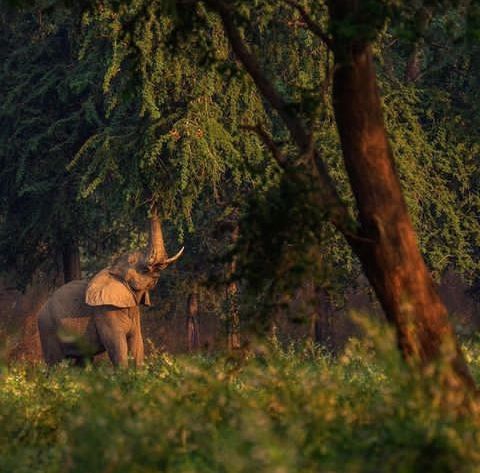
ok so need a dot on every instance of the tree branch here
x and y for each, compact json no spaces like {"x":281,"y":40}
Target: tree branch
{"x":313,"y":26}
{"x":252,"y":66}
{"x":328,"y":196}
{"x":268,"y":142}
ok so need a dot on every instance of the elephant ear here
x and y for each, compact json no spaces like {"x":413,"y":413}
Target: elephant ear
{"x":106,"y":289}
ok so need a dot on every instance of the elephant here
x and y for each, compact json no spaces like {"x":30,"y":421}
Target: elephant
{"x":84,"y":318}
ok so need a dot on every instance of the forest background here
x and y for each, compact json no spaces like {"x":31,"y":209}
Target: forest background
{"x":106,"y":107}
{"x":247,"y":123}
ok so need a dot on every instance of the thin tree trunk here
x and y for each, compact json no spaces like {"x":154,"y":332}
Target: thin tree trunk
{"x":233,"y":315}
{"x":423,"y":18}
{"x":233,"y":322}
{"x":320,"y":321}
{"x":412,"y":70}
{"x":193,"y":332}
{"x":308,"y":294}
{"x":71,"y":262}
{"x":391,"y":259}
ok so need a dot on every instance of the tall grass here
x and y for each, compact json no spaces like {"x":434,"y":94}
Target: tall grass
{"x":276,"y":410}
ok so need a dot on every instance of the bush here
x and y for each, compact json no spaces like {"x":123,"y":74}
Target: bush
{"x":279,"y":410}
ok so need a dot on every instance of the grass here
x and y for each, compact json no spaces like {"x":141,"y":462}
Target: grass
{"x":279,"y":410}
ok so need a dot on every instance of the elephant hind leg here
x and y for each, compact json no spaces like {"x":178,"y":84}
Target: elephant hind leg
{"x":51,"y":345}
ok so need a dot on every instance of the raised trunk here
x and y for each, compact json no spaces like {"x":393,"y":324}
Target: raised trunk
{"x":71,"y":262}
{"x":389,"y":251}
{"x":193,"y":333}
{"x":156,"y":252}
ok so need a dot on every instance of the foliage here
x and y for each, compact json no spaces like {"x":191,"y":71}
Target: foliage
{"x":83,"y":147}
{"x":292,"y":409}
{"x":48,"y":109}
{"x":174,"y":126}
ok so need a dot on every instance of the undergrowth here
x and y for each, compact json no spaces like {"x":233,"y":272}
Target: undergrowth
{"x":294,"y":409}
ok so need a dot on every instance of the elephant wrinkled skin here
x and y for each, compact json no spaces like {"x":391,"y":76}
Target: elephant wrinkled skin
{"x":85,"y":318}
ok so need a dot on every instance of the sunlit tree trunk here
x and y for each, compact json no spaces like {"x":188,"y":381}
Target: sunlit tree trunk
{"x":388,"y":251}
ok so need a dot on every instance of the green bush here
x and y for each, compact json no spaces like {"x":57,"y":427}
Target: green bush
{"x":274,"y":410}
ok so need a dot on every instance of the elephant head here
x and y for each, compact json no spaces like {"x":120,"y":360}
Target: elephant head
{"x":127,"y":281}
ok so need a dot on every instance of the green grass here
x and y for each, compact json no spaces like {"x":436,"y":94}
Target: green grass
{"x":282,"y":411}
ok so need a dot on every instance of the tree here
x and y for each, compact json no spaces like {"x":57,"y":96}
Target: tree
{"x":383,"y":239}
{"x":49,"y":108}
{"x":93,"y":145}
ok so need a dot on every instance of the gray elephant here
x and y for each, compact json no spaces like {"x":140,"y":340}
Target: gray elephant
{"x":85,"y":318}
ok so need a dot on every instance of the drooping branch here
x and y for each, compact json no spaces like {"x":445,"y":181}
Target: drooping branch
{"x":252,"y":66}
{"x":328,"y":196}
{"x":268,"y":142}
{"x":312,"y":25}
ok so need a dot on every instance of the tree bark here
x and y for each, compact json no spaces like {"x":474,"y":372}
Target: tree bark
{"x":233,"y":327}
{"x":389,"y":253}
{"x":71,"y":262}
{"x":193,"y":332}
{"x":233,"y":316}
{"x":423,"y":19}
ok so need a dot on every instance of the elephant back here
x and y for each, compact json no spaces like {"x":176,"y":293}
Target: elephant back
{"x":69,"y":301}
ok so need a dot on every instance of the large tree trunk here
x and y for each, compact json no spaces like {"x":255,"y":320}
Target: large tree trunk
{"x":71,"y":262}
{"x":389,"y":251}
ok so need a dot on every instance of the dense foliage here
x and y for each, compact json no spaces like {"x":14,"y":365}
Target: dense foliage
{"x":84,"y":147}
{"x":295,"y":410}
{"x":108,"y":106}
{"x":128,"y":103}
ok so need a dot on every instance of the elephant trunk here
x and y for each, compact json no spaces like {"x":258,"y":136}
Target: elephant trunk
{"x":156,"y":252}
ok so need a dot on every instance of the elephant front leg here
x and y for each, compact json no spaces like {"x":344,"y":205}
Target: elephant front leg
{"x":135,"y":347}
{"x":111,"y":327}
{"x":135,"y":339}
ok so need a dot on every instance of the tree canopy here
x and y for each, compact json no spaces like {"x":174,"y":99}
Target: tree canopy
{"x":225,"y":111}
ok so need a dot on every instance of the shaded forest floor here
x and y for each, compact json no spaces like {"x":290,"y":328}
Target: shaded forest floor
{"x":271,"y":410}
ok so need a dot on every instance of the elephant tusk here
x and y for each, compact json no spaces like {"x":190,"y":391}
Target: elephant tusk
{"x":174,"y":258}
